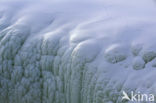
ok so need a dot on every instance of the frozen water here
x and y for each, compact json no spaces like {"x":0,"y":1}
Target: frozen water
{"x":65,"y":51}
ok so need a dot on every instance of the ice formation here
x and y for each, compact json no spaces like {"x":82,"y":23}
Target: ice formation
{"x":76,"y":51}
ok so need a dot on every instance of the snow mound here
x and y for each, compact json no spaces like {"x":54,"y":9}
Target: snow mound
{"x":116,"y":53}
{"x":138,"y":63}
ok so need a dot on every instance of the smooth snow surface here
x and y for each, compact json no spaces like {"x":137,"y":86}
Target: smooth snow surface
{"x":76,"y":51}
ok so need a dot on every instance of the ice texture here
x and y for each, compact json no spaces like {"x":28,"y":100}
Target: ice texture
{"x":76,"y":51}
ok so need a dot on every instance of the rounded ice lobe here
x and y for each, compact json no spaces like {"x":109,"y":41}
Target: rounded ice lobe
{"x":87,"y":51}
{"x":138,"y":63}
{"x":116,"y":53}
{"x":148,"y":55}
{"x":136,"y":49}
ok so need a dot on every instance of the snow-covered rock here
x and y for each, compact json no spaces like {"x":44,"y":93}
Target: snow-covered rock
{"x":116,"y":53}
{"x":138,"y":63}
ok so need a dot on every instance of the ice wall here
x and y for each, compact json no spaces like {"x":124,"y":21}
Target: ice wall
{"x":76,"y":51}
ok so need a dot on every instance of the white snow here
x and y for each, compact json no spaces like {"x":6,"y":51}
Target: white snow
{"x":65,"y":51}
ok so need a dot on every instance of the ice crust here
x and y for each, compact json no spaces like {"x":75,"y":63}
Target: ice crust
{"x":76,"y":51}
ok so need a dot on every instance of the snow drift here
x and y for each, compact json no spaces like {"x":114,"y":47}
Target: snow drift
{"x":76,"y":51}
